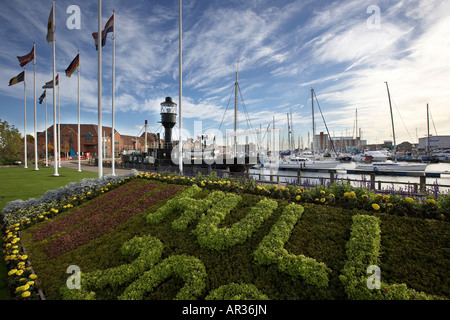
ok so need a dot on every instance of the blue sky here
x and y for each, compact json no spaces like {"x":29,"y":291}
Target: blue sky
{"x":343,"y":49}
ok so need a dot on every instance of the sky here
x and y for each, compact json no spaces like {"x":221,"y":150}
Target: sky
{"x":345,"y":50}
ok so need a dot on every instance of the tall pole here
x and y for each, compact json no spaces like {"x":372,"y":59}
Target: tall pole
{"x":55,"y":144}
{"x":428,"y":131}
{"x":46,"y":135}
{"x":25,"y":117}
{"x":292,"y":132}
{"x":36,"y":167}
{"x":289,"y":132}
{"x":99,"y":129}
{"x":236,"y":88}
{"x":113,"y":149}
{"x":313,"y":124}
{"x":392,"y":120}
{"x":79,"y":133}
{"x":59,"y":128}
{"x":180,"y":147}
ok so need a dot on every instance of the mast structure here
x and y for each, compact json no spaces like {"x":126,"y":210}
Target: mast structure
{"x":428,"y":130}
{"x":392,"y":120}
{"x":236,"y":88}
{"x":313,"y":123}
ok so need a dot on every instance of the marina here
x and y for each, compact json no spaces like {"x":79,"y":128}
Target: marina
{"x":436,"y":178}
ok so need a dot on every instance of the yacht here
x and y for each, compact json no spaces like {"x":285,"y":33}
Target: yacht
{"x":298,"y":163}
{"x":390,"y":166}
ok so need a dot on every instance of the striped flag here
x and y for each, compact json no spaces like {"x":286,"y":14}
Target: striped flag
{"x":73,"y":66}
{"x":109,"y":27}
{"x":50,"y":28}
{"x":49,"y":85}
{"x":26,"y":58}
{"x":42,"y":97}
{"x":20,"y":77}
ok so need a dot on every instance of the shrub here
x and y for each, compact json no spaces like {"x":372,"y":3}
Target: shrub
{"x":188,"y":268}
{"x":209,"y":235}
{"x":148,"y":251}
{"x":363,"y":250}
{"x":271,"y":250}
{"x":234,"y":291}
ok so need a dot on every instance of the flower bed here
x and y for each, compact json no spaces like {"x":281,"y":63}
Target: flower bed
{"x":340,"y":194}
{"x":114,"y":215}
{"x":260,"y":231}
{"x":271,"y":250}
{"x":363,"y":251}
{"x":111,"y":200}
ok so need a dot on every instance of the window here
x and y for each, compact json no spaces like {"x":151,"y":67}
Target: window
{"x":89,"y":137}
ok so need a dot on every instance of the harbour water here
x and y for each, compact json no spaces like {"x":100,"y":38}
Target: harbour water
{"x":389,"y":181}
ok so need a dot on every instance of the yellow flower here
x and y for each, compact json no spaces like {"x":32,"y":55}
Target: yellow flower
{"x":19,"y":272}
{"x":375,"y":206}
{"x":332,"y":195}
{"x":323,"y":200}
{"x":316,"y":199}
{"x":24,"y":257}
{"x":26,"y":294}
{"x":282,"y":188}
{"x":322,"y":191}
{"x":408,"y":199}
{"x":298,"y":198}
{"x":364,"y":196}
{"x":32,"y":276}
{"x":298,"y":191}
{"x":12,"y":271}
{"x":431,"y":201}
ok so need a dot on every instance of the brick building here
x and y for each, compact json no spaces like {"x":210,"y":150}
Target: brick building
{"x":89,"y":141}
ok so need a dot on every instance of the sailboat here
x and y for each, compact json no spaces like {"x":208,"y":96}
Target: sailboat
{"x":298,"y":163}
{"x":392,"y":166}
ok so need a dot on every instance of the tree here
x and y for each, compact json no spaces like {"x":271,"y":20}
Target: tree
{"x":10,"y":144}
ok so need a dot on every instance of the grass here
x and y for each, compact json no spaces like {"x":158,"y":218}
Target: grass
{"x":19,"y":183}
{"x":413,"y":252}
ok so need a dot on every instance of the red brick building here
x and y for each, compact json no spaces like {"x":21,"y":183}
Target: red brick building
{"x":89,"y":141}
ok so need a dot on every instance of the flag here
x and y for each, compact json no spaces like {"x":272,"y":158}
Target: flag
{"x":49,"y":85}
{"x":50,"y":28}
{"x":42,"y":97}
{"x":20,"y":77}
{"x":27,"y":58}
{"x":73,"y":66}
{"x":109,"y":27}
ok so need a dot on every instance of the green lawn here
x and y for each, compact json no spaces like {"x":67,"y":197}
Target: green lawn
{"x":20,"y":183}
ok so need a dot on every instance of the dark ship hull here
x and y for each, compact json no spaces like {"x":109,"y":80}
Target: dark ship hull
{"x":160,"y":159}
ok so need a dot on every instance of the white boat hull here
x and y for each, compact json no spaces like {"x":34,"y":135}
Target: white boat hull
{"x":390,"y":167}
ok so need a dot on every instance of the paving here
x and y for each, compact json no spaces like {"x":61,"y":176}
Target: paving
{"x":84,"y":167}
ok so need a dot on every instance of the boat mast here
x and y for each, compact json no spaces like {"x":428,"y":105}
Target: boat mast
{"x":313,"y":124}
{"x":392,"y":120}
{"x":235,"y":108}
{"x":428,"y":130}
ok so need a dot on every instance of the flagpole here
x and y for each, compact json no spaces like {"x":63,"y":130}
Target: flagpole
{"x":25,"y":116}
{"x":99,"y":129}
{"x":59,"y":128}
{"x":36,"y":167}
{"x":46,"y":135}
{"x":180,"y":147}
{"x":79,"y":133}
{"x":55,"y":146}
{"x":113,"y":149}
